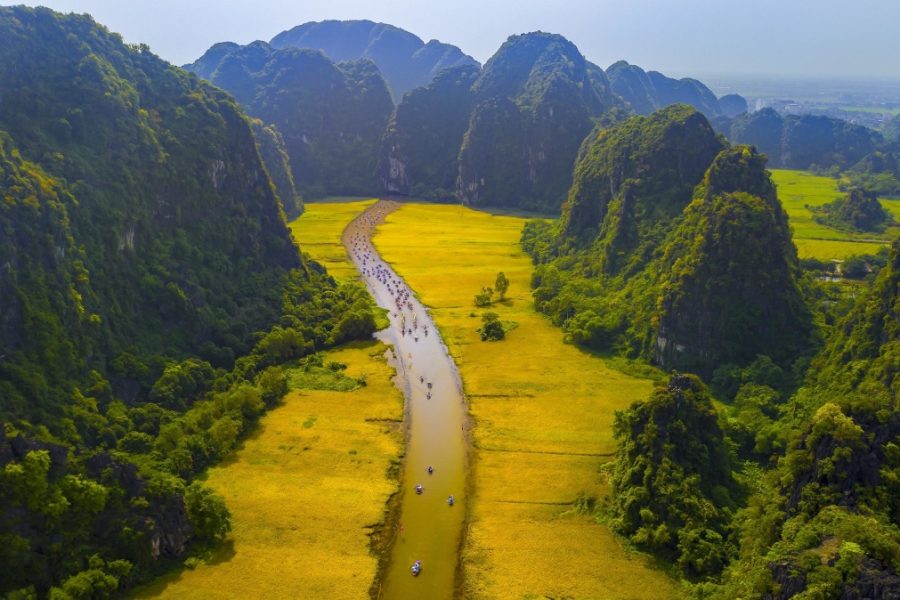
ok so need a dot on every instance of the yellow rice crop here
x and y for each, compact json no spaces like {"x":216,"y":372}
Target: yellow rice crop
{"x":543,"y":415}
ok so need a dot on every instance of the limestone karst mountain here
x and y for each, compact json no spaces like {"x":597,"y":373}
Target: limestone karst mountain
{"x":402,"y":57}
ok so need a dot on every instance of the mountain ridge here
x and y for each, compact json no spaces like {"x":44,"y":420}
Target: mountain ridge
{"x":405,"y":60}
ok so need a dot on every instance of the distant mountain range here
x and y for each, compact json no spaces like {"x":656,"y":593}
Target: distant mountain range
{"x":403,"y":58}
{"x":649,"y":91}
{"x":368,"y":108}
{"x":506,"y":134}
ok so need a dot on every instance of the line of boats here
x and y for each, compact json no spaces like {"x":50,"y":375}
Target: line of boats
{"x":417,"y":565}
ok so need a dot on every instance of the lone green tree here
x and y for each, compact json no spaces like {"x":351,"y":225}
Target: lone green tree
{"x":484,"y":297}
{"x":501,"y":285}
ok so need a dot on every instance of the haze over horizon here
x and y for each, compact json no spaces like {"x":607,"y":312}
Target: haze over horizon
{"x":766,"y":38}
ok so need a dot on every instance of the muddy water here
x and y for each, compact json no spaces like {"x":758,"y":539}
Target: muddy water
{"x":429,"y":529}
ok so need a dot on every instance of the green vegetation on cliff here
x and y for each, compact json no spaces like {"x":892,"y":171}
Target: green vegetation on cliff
{"x":535,"y":101}
{"x":638,"y":267}
{"x":149,"y":287}
{"x":672,"y":479}
{"x":331,"y":116}
{"x":825,"y":521}
{"x":730,"y":275}
{"x":278,"y":164}
{"x":633,"y":179}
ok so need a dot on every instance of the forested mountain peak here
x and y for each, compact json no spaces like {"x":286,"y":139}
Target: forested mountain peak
{"x":536,"y":100}
{"x":331,"y":115}
{"x":525,"y":65}
{"x":731,"y":275}
{"x":684,"y":245}
{"x":403,"y":58}
{"x":644,"y":169}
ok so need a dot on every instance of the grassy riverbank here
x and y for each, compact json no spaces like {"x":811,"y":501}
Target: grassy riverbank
{"x":319,"y":229}
{"x":543,"y":412}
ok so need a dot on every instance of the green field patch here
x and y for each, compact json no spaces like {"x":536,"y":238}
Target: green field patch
{"x":331,"y":376}
{"x":799,"y":190}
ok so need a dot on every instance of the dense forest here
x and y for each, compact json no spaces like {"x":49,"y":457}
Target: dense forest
{"x":149,"y":288}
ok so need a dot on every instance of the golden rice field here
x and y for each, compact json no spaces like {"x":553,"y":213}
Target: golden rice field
{"x":542,"y":410}
{"x":799,"y":189}
{"x":319,"y":232}
{"x":305,"y":491}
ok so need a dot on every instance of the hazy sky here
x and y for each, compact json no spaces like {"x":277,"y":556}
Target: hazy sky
{"x":810,"y":38}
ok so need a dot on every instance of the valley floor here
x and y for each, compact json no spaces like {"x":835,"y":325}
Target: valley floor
{"x":543,"y":413}
{"x":305,"y":488}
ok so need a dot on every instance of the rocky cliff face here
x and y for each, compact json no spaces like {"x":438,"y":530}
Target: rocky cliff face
{"x":537,"y":98}
{"x":422,"y":142}
{"x":405,"y":60}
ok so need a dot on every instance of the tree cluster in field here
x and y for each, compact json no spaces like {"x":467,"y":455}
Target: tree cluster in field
{"x":149,"y":291}
{"x":492,"y":329}
{"x":858,"y":211}
{"x":486,"y":296}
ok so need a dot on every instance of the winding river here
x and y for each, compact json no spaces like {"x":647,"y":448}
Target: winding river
{"x":429,"y":529}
